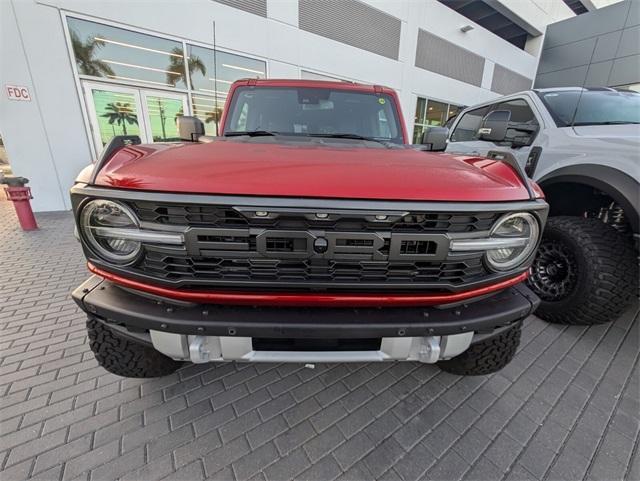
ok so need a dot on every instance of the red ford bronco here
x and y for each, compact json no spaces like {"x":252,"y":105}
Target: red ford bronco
{"x":308,"y":231}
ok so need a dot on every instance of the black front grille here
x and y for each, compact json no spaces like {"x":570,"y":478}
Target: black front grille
{"x":239,"y":248}
{"x":333,"y":273}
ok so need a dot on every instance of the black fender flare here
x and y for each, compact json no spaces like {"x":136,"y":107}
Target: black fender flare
{"x":621,"y":187}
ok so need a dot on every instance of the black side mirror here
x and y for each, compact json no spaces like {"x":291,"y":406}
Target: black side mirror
{"x":435,"y":138}
{"x":494,"y":126}
{"x":189,"y":128}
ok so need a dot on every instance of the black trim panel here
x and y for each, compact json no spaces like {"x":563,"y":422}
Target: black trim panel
{"x":109,"y":303}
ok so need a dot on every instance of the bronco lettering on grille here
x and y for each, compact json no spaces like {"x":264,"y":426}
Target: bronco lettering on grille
{"x":288,"y":244}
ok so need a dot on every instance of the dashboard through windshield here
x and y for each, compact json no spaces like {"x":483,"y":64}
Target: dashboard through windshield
{"x":313,"y":112}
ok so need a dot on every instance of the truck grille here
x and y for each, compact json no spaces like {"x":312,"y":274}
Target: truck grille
{"x":239,"y":248}
{"x":198,"y":270}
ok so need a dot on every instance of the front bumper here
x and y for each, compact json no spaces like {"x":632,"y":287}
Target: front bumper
{"x":186,"y":330}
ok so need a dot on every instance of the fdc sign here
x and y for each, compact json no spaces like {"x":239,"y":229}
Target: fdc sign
{"x":17,"y":92}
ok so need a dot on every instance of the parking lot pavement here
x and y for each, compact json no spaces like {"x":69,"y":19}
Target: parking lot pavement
{"x":567,"y":407}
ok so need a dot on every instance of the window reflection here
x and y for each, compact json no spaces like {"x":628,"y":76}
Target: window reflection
{"x":148,"y":61}
{"x":116,"y":53}
{"x":163,"y":113}
{"x":209,"y":110}
{"x":117,"y":114}
{"x":212,"y":82}
{"x":431,"y":113}
{"x":220,"y":69}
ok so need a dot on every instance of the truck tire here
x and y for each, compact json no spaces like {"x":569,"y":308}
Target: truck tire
{"x":486,"y":356}
{"x":585,"y":272}
{"x":125,"y":357}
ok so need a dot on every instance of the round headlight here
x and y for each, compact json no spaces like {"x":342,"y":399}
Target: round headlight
{"x":521,"y":225}
{"x":104,"y":226}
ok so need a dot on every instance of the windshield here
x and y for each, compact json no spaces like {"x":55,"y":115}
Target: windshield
{"x":596,"y":107}
{"x":316,"y":112}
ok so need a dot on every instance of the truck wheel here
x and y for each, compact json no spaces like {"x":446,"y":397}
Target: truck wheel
{"x":585,"y":272}
{"x":486,"y":356}
{"x":125,"y":357}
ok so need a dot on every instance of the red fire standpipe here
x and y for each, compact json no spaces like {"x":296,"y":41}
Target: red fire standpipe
{"x":20,"y":195}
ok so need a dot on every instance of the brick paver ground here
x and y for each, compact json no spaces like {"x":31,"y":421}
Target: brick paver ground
{"x":565,"y":408}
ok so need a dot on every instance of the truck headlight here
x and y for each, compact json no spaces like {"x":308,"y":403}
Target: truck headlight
{"x":518,"y":233}
{"x":106,"y":226}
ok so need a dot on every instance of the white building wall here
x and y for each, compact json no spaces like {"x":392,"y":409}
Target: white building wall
{"x":47,"y":139}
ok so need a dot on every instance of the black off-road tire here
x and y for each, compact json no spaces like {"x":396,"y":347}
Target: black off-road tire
{"x":125,"y":357}
{"x":486,"y":356}
{"x":602,"y":266}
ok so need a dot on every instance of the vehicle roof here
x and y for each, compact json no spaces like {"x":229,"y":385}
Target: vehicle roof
{"x":546,"y":90}
{"x":583,"y":89}
{"x":333,"y":84}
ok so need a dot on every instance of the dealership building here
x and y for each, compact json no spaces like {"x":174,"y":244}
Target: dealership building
{"x":75,"y":73}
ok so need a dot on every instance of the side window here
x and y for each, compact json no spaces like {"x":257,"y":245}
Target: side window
{"x":467,"y":128}
{"x":523,"y":125}
{"x":383,"y":125}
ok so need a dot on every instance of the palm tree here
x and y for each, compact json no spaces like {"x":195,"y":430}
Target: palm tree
{"x":176,"y":67}
{"x":120,"y":113}
{"x":213,"y":116}
{"x":84,"y":53}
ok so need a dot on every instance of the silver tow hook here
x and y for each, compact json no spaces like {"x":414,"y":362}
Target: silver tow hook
{"x":429,"y":351}
{"x":198,"y":350}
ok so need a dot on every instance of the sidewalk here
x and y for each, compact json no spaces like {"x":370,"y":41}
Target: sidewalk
{"x":566,"y":408}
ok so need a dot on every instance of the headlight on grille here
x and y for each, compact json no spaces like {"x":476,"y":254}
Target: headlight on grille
{"x":520,"y":233}
{"x":511,"y":241}
{"x":106,"y":226}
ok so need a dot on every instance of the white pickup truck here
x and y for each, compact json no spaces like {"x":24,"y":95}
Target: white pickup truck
{"x":582,"y":146}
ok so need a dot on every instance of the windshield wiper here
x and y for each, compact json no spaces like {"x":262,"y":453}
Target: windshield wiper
{"x":251,"y":133}
{"x":350,"y":136}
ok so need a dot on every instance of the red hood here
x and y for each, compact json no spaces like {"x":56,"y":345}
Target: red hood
{"x":267,"y":169}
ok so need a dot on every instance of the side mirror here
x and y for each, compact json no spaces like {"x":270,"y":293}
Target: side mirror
{"x":435,"y":139}
{"x":189,"y":128}
{"x":494,"y":126}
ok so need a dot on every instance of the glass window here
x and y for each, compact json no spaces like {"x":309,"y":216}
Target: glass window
{"x":467,"y":127}
{"x":209,"y":110}
{"x":116,"y":53}
{"x":431,"y":113}
{"x":212,"y":74}
{"x":594,"y":107}
{"x":163,"y":113}
{"x":454,"y":110}
{"x":523,"y":124}
{"x":436,"y":113}
{"x":117,"y":114}
{"x":314,"y":112}
{"x":421,"y":106}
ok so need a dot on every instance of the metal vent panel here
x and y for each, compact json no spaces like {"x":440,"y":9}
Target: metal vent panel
{"x":353,"y":23}
{"x":257,"y":7}
{"x":437,"y":55}
{"x":507,"y":81}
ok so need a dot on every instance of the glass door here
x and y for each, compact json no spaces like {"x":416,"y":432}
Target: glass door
{"x":161,"y":111}
{"x":115,"y":110}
